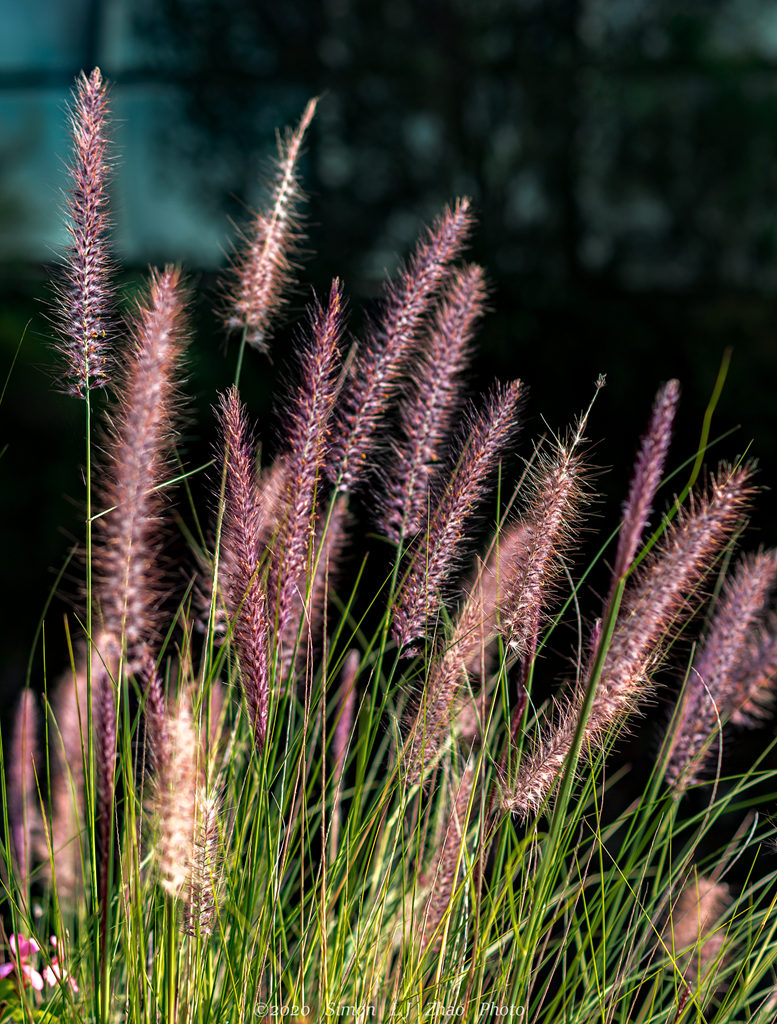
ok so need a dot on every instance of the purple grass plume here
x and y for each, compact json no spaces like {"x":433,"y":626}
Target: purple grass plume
{"x":128,"y":544}
{"x":436,"y":555}
{"x":711,"y":693}
{"x":304,"y":633}
{"x":84,"y":305}
{"x":428,"y":410}
{"x":307,"y":449}
{"x":341,"y":738}
{"x":449,"y":862}
{"x":264,"y":262}
{"x":694,"y":933}
{"x":63,"y":850}
{"x":661,"y":592}
{"x":186,"y":814}
{"x":754,"y":684}
{"x":557,"y":494}
{"x":106,"y":652}
{"x":24,"y":766}
{"x":383,"y":357}
{"x":245,"y":585}
{"x":647,"y":476}
{"x":468,"y":655}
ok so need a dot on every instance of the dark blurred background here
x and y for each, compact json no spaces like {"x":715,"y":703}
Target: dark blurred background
{"x":621,"y":154}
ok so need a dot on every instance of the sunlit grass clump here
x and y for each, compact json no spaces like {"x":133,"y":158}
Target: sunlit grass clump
{"x":306,"y":775}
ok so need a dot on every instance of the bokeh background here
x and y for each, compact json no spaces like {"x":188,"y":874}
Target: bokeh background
{"x":621,"y":154}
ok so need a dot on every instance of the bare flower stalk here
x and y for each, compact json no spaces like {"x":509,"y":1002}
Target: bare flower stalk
{"x":659,"y":595}
{"x":308,"y":443}
{"x":127,"y":555}
{"x":241,"y":537}
{"x":383,"y":359}
{"x":85,"y":296}
{"x":710,"y":694}
{"x":426,"y":414}
{"x":263,"y":264}
{"x":23,"y":768}
{"x":647,"y":476}
{"x":420,"y":593}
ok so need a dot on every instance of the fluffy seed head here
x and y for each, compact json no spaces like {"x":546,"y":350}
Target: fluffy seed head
{"x":384,"y":356}
{"x":661,"y":592}
{"x":23,"y":767}
{"x":127,"y":536}
{"x":557,"y":487}
{"x":427,"y":412}
{"x":647,"y":476}
{"x":205,"y":868}
{"x":175,"y":797}
{"x":242,"y":534}
{"x":693,"y":929}
{"x":711,"y":692}
{"x":436,"y":556}
{"x":263,"y":265}
{"x":308,"y":444}
{"x":83,"y":311}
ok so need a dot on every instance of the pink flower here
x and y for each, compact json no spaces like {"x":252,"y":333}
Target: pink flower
{"x":22,"y":949}
{"x":54,"y":975}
